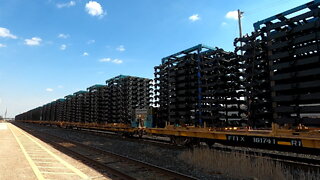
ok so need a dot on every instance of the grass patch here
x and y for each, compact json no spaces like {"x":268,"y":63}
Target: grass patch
{"x":241,"y":165}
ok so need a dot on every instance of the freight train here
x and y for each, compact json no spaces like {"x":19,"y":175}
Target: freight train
{"x":267,"y":95}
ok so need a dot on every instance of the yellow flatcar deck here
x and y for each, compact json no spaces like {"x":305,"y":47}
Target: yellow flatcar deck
{"x":308,"y":138}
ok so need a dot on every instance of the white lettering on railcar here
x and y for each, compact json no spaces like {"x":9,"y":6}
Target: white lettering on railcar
{"x":295,"y":142}
{"x":264,"y":140}
{"x":236,"y":138}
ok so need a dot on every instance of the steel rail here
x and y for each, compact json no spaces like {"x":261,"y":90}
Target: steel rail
{"x":52,"y":139}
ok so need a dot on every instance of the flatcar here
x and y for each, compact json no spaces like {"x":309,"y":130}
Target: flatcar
{"x":264,"y":94}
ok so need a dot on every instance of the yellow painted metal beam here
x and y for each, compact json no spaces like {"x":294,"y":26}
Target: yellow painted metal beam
{"x":309,"y":138}
{"x":284,"y":143}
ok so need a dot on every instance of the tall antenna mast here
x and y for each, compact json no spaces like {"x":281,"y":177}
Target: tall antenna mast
{"x":5,"y":114}
{"x":240,"y":27}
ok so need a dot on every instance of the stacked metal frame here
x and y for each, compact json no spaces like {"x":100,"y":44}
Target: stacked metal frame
{"x":161,"y":98}
{"x":73,"y":111}
{"x":95,"y":94}
{"x":80,"y":106}
{"x":68,"y":108}
{"x":86,"y":107}
{"x":183,"y":88}
{"x":53,"y":111}
{"x":46,"y":112}
{"x":124,"y":94}
{"x":34,"y":114}
{"x":111,"y":103}
{"x":105,"y":105}
{"x":255,"y":65}
{"x":222,"y":86}
{"x":115,"y":99}
{"x":197,"y":85}
{"x":293,"y":48}
{"x":176,"y":87}
{"x":138,"y":91}
{"x":60,"y":103}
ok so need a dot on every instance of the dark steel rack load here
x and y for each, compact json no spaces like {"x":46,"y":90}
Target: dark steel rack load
{"x":276,"y":80}
{"x":81,"y":106}
{"x":177,"y":87}
{"x":222,"y":89}
{"x":34,"y":114}
{"x":68,"y":114}
{"x":198,"y":86}
{"x":60,"y":104}
{"x":255,"y":65}
{"x":292,"y":40}
{"x":96,"y":98}
{"x":114,"y":102}
{"x":160,"y":93}
{"x":126,"y":93}
{"x":48,"y":112}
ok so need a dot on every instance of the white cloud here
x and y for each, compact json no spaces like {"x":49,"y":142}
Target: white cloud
{"x":194,"y":17}
{"x":5,"y":33}
{"x":91,"y":41}
{"x":63,"y":36}
{"x":224,"y":24}
{"x":60,"y":86}
{"x":68,"y":4}
{"x":232,"y":15}
{"x":63,"y":47}
{"x":2,"y":45}
{"x":116,"y":61}
{"x":85,"y":54}
{"x":35,"y":41}
{"x":121,"y":48}
{"x":49,"y":89}
{"x":105,"y":59}
{"x":93,"y":8}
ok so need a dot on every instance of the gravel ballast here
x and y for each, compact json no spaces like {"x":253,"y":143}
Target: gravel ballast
{"x":211,"y":165}
{"x":147,"y":152}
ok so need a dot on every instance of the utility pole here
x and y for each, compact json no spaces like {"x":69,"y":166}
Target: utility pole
{"x":240,"y":27}
{"x":5,"y":114}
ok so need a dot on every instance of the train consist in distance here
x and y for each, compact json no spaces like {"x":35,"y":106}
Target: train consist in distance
{"x":267,"y":97}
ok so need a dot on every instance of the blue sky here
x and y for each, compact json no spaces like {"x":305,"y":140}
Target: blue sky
{"x":52,"y":48}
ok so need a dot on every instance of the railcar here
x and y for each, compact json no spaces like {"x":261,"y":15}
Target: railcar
{"x":264,"y":94}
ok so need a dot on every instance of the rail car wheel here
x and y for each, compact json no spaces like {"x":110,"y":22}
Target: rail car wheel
{"x":194,"y":142}
{"x":210,"y":143}
{"x":180,"y":141}
{"x":120,"y":134}
{"x":140,"y":134}
{"x":126,"y":134}
{"x":130,"y":135}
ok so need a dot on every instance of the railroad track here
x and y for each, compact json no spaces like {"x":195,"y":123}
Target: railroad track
{"x":290,"y":160}
{"x":275,"y":156}
{"x":294,"y":160}
{"x":147,"y":140}
{"x":109,"y":163}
